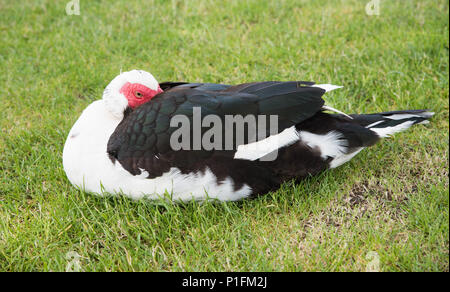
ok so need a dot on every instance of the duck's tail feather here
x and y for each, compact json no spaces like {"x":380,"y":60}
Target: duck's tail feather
{"x":388,"y":123}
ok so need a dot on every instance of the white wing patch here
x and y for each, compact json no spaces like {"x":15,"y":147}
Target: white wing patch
{"x":329,"y":108}
{"x":426,"y":115}
{"x":327,"y":87}
{"x":331,"y":144}
{"x":338,"y":161}
{"x":388,"y":131}
{"x":256,"y":150}
{"x":397,"y":117}
{"x":374,"y":124}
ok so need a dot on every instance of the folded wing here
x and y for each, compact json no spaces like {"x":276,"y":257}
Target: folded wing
{"x":142,"y":140}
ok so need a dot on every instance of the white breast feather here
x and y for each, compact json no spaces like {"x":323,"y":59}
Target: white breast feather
{"x":88,"y":167}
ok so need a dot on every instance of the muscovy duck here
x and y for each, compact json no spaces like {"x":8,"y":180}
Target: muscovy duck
{"x":121,"y":144}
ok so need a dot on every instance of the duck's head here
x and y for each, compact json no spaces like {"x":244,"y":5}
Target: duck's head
{"x":130,"y":90}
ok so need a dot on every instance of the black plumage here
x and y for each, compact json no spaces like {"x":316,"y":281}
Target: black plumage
{"x":142,"y":139}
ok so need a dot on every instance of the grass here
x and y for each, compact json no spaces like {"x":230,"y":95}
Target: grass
{"x":392,"y":199}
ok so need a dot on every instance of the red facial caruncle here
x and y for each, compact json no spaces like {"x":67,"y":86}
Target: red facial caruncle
{"x":138,"y":94}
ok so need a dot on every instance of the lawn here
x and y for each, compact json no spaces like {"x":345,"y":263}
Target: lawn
{"x":387,"y":209}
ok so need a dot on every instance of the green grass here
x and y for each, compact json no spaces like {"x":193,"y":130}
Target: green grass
{"x":392,"y":199}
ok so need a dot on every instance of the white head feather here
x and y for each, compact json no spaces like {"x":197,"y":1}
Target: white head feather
{"x":116,"y":102}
